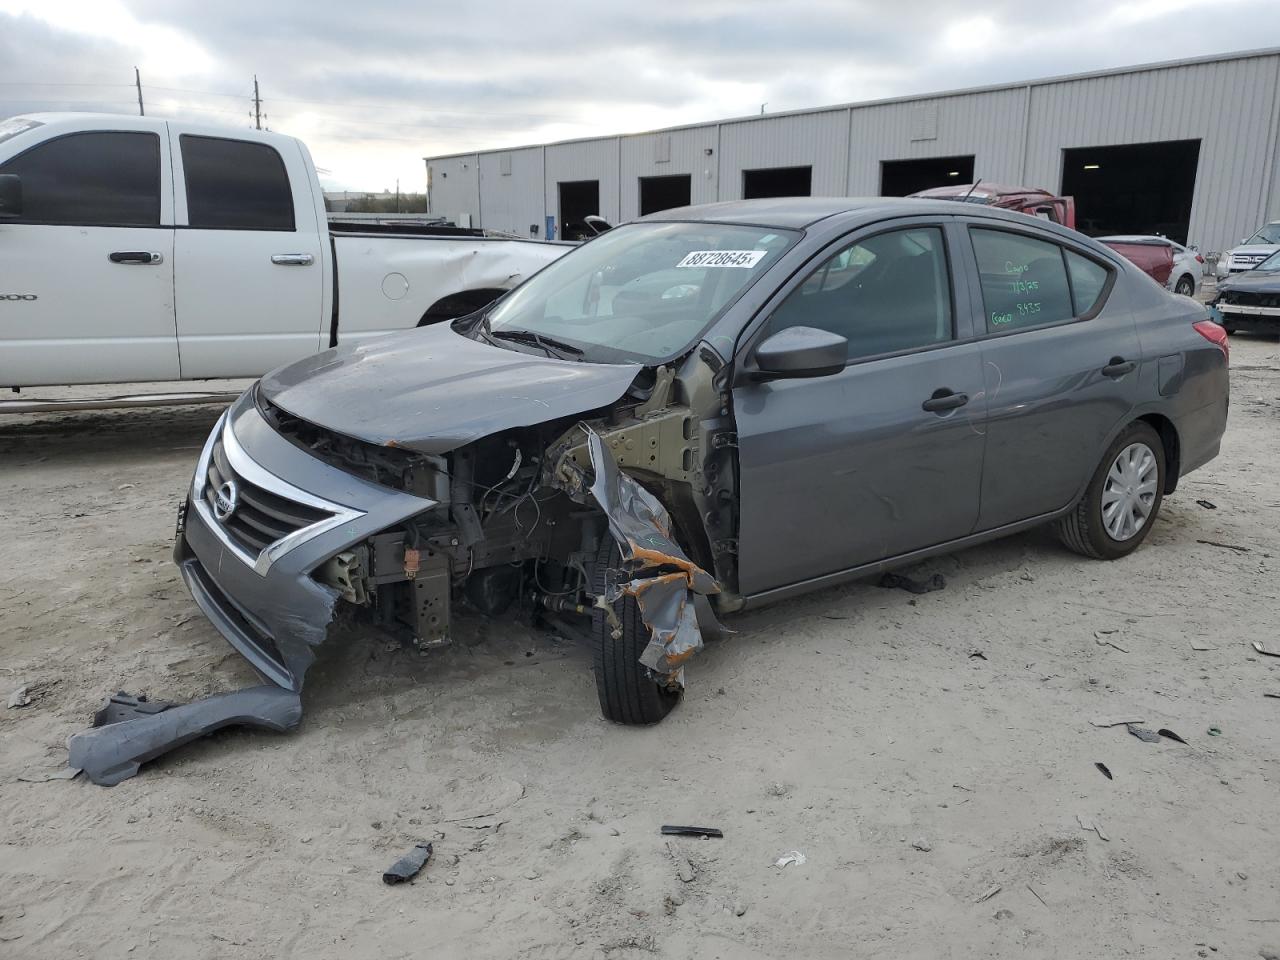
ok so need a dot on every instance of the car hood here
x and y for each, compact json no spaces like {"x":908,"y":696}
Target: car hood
{"x":1260,"y":281}
{"x":432,"y":389}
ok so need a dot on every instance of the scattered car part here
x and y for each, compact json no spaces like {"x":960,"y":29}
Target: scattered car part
{"x":1142,"y":733}
{"x":64,"y":773}
{"x":1207,"y":504}
{"x":407,"y":867}
{"x":114,"y":752}
{"x":1257,"y":645}
{"x":675,"y":831}
{"x":1104,"y":770}
{"x":787,"y":859}
{"x":1165,"y":732}
{"x":1224,"y":546}
{"x":1114,"y":721}
{"x":900,"y":581}
{"x":990,"y":892}
{"x":19,"y":698}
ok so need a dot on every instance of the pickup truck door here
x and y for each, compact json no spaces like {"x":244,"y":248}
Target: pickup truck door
{"x":249,"y":254}
{"x":86,"y":267}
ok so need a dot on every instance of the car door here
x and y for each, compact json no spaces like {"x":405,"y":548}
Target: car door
{"x":86,"y":267}
{"x":1060,"y":361}
{"x":883,"y":457}
{"x":249,"y":281}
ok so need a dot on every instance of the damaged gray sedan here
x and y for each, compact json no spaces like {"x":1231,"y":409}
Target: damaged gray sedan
{"x":707,"y":409}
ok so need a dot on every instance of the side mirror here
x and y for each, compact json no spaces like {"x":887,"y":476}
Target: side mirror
{"x":797,"y":352}
{"x":10,"y":195}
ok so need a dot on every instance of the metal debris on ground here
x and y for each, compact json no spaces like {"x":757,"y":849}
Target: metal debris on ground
{"x":990,"y":892}
{"x":1224,"y":546}
{"x":1100,"y":638}
{"x":670,"y":830}
{"x":1035,"y":893}
{"x":1207,"y":504}
{"x":787,"y":859}
{"x":19,"y":698}
{"x":1142,"y":733}
{"x":407,"y":867}
{"x":1265,"y":651}
{"x":1088,"y":823}
{"x":977,"y":655}
{"x":1115,"y":721}
{"x":1201,"y":645}
{"x":1215,"y":731}
{"x":1102,"y":768}
{"x":65,"y":773}
{"x":900,"y":581}
{"x":1274,"y":696}
{"x":1169,"y":734}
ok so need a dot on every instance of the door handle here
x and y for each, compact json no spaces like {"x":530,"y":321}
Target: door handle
{"x":135,"y":256}
{"x":1118,"y":367}
{"x":943,"y":400}
{"x":293,"y":259}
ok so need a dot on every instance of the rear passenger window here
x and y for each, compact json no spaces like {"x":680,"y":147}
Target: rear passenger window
{"x":1087,"y":281}
{"x":1024,"y":281}
{"x":885,"y":294}
{"x":235,"y":185}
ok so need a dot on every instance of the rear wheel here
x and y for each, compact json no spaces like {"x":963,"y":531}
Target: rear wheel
{"x":628,"y":692}
{"x":1120,"y":504}
{"x":1186,"y":286}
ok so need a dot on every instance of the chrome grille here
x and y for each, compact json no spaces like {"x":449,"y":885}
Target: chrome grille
{"x":260,"y":517}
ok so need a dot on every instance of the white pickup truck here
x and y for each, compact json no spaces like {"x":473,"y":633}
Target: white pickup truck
{"x":138,"y":249}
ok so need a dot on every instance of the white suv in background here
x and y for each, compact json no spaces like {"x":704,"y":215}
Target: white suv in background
{"x":1251,"y":252}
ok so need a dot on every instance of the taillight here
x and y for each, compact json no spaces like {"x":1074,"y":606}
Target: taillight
{"x":1215,"y":334}
{"x":1199,"y":259}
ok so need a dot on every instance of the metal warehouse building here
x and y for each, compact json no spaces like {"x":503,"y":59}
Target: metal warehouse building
{"x":1186,"y":148}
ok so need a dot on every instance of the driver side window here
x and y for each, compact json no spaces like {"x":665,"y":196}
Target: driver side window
{"x":885,"y":294}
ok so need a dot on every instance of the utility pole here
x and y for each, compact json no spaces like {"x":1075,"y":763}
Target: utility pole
{"x":257,"y":104}
{"x":137,"y":78}
{"x":397,"y":194}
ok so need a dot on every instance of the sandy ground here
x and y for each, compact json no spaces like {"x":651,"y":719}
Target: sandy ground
{"x":918,"y":752}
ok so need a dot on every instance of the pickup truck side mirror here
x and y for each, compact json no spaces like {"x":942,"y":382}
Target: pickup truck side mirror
{"x":797,"y":352}
{"x":10,"y":195}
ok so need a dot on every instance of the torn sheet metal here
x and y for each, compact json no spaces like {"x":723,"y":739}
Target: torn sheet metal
{"x":665,"y":594}
{"x":136,"y":730}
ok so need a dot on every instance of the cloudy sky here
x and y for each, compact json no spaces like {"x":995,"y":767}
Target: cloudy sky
{"x":372,"y":87}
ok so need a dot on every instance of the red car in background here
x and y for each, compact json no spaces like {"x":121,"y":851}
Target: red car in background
{"x":1029,"y":200}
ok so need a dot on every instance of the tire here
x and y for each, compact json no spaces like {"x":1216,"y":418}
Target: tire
{"x":1185,"y":286}
{"x":1084,"y":530}
{"x":628,"y":694}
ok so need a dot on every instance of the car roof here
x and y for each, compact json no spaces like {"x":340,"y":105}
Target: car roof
{"x":793,"y":213}
{"x":1138,"y":238}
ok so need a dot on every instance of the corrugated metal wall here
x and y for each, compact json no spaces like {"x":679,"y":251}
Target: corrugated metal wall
{"x":511,"y":191}
{"x":987,"y":125}
{"x":584,"y":160}
{"x":819,"y":140}
{"x":1229,"y":106}
{"x":686,"y":152}
{"x":1016,"y":134}
{"x":455,"y":187}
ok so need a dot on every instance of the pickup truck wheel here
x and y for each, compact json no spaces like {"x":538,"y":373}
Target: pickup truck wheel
{"x":628,"y":693}
{"x":1186,"y":286}
{"x":1119,"y":506}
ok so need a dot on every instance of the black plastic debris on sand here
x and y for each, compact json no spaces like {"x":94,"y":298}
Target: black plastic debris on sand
{"x":407,"y":867}
{"x":1207,"y":504}
{"x":1102,"y":768}
{"x":1169,"y":734}
{"x":671,"y":830}
{"x":900,"y":581}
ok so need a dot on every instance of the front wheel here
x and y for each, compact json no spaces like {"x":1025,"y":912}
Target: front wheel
{"x":627,"y":689}
{"x":1186,"y":286}
{"x":1120,"y":504}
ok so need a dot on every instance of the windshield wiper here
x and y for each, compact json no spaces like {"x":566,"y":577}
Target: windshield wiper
{"x":551,"y":346}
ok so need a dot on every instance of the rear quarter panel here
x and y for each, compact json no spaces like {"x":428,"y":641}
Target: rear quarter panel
{"x":387,"y":283}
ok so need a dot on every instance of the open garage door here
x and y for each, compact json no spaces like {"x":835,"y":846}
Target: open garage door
{"x":579,"y":199}
{"x":901,"y":178}
{"x":663,"y":193}
{"x":777,"y":182}
{"x":1135,"y":188}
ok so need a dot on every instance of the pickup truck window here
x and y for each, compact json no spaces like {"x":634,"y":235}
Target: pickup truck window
{"x":95,"y":179}
{"x":235,"y":185}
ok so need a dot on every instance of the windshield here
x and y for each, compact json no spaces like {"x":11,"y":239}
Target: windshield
{"x":641,"y":292}
{"x":1268,"y":234}
{"x":1271,"y":263}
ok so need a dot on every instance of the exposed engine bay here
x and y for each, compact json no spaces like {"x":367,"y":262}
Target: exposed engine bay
{"x":522,"y":515}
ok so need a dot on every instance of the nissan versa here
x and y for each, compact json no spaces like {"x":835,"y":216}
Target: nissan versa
{"x":708,"y":409}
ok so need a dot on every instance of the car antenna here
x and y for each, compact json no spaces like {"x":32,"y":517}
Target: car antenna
{"x":971,"y":189}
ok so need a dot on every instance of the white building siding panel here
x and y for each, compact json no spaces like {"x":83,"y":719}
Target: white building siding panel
{"x":512,"y":202}
{"x":817,"y":140}
{"x":584,"y":160}
{"x":687,"y":154}
{"x":454,"y":188}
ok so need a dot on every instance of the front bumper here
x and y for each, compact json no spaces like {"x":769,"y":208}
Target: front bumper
{"x":263,"y":599}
